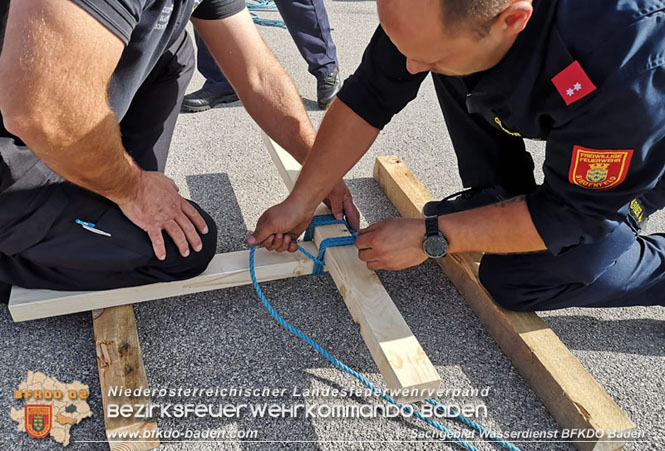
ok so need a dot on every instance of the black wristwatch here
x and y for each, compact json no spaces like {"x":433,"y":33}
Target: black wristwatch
{"x":435,"y":245}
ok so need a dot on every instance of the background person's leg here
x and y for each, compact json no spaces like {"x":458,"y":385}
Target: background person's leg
{"x":619,"y":271}
{"x":307,"y":22}
{"x":215,"y":90}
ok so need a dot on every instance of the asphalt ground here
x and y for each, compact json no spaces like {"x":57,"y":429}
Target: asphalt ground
{"x":227,"y":339}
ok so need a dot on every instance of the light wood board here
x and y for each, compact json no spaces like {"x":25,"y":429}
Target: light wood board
{"x":571,"y":394}
{"x":397,"y":353}
{"x":225,"y":270}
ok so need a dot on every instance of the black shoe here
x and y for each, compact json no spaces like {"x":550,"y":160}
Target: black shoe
{"x":466,"y":200}
{"x":203,"y":100}
{"x":327,"y":88}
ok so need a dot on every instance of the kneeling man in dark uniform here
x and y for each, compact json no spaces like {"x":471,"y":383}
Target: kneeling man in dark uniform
{"x":587,"y":77}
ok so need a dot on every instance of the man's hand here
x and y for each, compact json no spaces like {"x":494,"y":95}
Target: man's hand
{"x":393,"y":244}
{"x":158,"y":206}
{"x":280,"y":226}
{"x":341,"y":204}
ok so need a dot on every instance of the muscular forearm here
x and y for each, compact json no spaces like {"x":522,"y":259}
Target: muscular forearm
{"x":264,"y":87}
{"x":343,"y":138}
{"x":85,"y":151}
{"x":502,"y":228}
{"x":56,"y":101}
{"x":273,"y":101}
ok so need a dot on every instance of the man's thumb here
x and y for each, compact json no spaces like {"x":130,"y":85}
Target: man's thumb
{"x":337,"y":208}
{"x":258,"y":237}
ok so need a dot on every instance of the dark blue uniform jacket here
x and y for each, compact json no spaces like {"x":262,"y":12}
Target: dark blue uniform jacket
{"x":587,"y":76}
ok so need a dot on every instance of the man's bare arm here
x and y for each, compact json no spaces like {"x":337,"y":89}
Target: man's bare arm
{"x":502,"y":228}
{"x":53,"y":94}
{"x":269,"y":95}
{"x":343,"y":138}
{"x":265,"y":89}
{"x":55,"y":68}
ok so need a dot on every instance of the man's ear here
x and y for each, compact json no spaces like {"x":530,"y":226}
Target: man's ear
{"x":514,"y":17}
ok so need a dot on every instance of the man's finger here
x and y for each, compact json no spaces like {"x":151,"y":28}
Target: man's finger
{"x":267,"y":243}
{"x":279,"y":242}
{"x":190,"y":232}
{"x":286,"y":241}
{"x":157,"y":240}
{"x":195,"y":217}
{"x":178,"y":237}
{"x":351,"y":212}
{"x":276,"y":240}
{"x":366,"y":255}
{"x":261,"y":234}
{"x":337,"y":207}
{"x":364,"y":241}
{"x":368,"y":229}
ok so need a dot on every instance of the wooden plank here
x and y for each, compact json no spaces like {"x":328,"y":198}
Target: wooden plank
{"x":120,"y":364}
{"x":405,"y":367}
{"x":225,"y":270}
{"x":573,"y":397}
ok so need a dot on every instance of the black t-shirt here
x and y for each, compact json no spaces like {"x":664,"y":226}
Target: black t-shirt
{"x":148,"y":28}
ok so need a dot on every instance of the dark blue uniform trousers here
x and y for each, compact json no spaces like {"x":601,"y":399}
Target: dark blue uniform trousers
{"x":625,"y":268}
{"x":307,"y":22}
{"x":56,"y":253}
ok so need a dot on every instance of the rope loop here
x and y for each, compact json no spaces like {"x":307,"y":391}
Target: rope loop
{"x":405,"y":408}
{"x":320,"y":220}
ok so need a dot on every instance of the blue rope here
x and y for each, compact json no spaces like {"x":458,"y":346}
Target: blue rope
{"x":320,"y":220}
{"x":318,"y":269}
{"x":341,"y":366}
{"x":267,"y":22}
{"x":262,"y":4}
{"x":265,"y":6}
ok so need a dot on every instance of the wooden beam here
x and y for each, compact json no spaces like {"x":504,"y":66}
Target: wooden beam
{"x":120,"y":364}
{"x":405,"y":367}
{"x":225,"y":270}
{"x":573,"y":397}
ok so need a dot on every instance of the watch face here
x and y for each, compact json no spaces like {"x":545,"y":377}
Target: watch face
{"x":435,"y":246}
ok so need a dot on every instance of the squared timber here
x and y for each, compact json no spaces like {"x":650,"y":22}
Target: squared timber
{"x":573,"y":397}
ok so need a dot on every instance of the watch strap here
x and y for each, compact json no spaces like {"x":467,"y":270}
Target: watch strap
{"x":432,"y":226}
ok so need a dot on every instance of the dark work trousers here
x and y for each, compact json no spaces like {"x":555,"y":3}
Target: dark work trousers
{"x":307,"y":22}
{"x":40,"y":244}
{"x":625,"y":268}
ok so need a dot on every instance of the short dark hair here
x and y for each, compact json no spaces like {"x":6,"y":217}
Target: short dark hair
{"x":474,"y":13}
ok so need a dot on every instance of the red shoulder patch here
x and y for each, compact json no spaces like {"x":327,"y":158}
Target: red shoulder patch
{"x":599,"y":169}
{"x":573,"y":83}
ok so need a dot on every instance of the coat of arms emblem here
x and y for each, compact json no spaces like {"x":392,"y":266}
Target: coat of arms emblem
{"x":597,"y":172}
{"x":38,"y":420}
